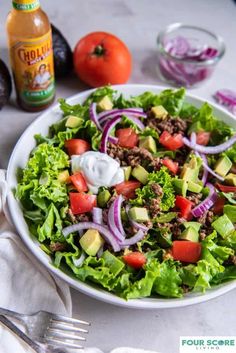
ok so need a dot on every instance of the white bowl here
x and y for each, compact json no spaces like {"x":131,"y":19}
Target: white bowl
{"x":19,"y":159}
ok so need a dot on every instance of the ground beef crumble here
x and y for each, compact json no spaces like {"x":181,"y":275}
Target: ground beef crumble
{"x":206,"y":219}
{"x":83,"y":217}
{"x":169,"y":124}
{"x":116,"y":152}
{"x":194,"y":198}
{"x":133,"y":157}
{"x":231,"y":260}
{"x":57,"y":246}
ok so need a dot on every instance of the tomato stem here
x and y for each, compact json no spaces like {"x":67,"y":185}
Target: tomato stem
{"x":99,"y":50}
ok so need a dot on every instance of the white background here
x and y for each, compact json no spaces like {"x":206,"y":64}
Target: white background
{"x":137,"y":22}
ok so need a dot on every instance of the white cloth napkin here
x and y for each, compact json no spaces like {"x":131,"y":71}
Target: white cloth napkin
{"x":26,"y":286}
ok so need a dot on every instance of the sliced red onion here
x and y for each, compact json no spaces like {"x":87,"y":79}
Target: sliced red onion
{"x":181,"y":48}
{"x":178,"y":46}
{"x":133,"y":240}
{"x":135,"y":224}
{"x":169,"y":70}
{"x":106,"y":132}
{"x":206,"y":166}
{"x":193,"y":138}
{"x":205,"y":205}
{"x":111,"y":112}
{"x":94,"y":116}
{"x":113,"y":139}
{"x":210,"y":149}
{"x":205,"y":170}
{"x":106,"y":234}
{"x":114,"y":219}
{"x":117,"y":214}
{"x":97,"y":215}
{"x":226,"y":96}
{"x":188,"y":72}
{"x":207,"y":53}
{"x":78,"y":262}
{"x":204,"y":176}
{"x":129,"y":115}
{"x":136,"y":121}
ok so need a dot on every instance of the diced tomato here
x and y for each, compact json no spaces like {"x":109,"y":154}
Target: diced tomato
{"x":127,"y":137}
{"x":171,"y":142}
{"x":135,"y":259}
{"x":77,"y":146}
{"x":219,"y":205}
{"x":203,"y":138}
{"x":81,"y":202}
{"x":171,"y":165}
{"x":186,"y":251}
{"x":185,"y":207}
{"x":127,"y":188}
{"x":225,"y":188}
{"x":79,"y":182}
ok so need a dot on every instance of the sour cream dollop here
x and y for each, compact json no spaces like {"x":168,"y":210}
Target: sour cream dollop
{"x":98,"y":169}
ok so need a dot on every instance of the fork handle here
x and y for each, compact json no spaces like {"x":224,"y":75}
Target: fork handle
{"x":11,"y":313}
{"x":20,"y":334}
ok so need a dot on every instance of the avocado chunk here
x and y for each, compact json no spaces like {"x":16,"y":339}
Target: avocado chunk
{"x":5,"y":84}
{"x":105,"y":104}
{"x":91,"y":242}
{"x":103,"y":197}
{"x":140,"y":174}
{"x":194,"y":225}
{"x":190,"y":234}
{"x":139,"y":214}
{"x":230,"y":211}
{"x":180,"y":186}
{"x":149,"y":143}
{"x":63,"y":176}
{"x":127,"y":172}
{"x":223,"y":166}
{"x":159,"y":112}
{"x":73,"y":121}
{"x":223,"y":225}
{"x":230,"y":179}
{"x":194,"y":187}
{"x":188,"y":173}
{"x":63,"y":58}
{"x":191,"y":169}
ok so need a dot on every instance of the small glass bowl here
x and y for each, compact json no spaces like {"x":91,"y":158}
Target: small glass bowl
{"x":188,"y":55}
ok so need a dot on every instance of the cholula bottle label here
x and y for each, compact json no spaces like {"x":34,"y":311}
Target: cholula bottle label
{"x":32,"y":64}
{"x":26,"y":5}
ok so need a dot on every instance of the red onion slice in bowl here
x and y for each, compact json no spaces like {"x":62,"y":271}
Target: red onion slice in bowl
{"x":106,"y":234}
{"x":206,"y":204}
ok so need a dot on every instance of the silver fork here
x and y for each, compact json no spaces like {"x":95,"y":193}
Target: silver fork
{"x":52,"y":329}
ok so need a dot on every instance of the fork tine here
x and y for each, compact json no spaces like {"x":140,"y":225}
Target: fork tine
{"x":54,"y":333}
{"x":71,"y":320}
{"x":66,"y":327}
{"x":59,"y":343}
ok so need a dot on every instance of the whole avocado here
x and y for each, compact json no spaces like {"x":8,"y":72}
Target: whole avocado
{"x":5,"y":84}
{"x":63,"y":58}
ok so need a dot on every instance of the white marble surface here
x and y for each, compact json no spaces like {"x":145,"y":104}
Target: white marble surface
{"x":137,"y":22}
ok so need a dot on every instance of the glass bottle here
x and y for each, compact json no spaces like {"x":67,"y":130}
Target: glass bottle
{"x":31,"y":54}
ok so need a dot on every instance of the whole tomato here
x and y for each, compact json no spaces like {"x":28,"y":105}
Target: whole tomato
{"x":101,"y":58}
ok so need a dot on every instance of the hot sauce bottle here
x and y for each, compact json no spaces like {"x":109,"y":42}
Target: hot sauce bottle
{"x":31,"y":54}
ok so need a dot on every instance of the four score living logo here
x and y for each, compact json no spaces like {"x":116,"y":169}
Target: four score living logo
{"x":214,"y":344}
